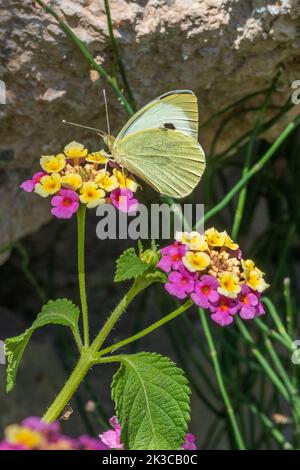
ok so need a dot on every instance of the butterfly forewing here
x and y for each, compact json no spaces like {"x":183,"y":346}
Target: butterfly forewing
{"x":168,"y":160}
{"x":177,"y":110}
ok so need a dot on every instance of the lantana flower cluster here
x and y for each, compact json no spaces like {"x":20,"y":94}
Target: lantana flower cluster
{"x":210,"y":269}
{"x":76,"y":176}
{"x":34,"y":434}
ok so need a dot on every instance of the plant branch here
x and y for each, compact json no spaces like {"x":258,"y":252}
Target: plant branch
{"x":147,"y":330}
{"x":138,"y":285}
{"x":81,"y":272}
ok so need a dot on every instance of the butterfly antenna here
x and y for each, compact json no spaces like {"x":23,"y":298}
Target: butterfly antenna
{"x":106,"y":111}
{"x":84,"y":127}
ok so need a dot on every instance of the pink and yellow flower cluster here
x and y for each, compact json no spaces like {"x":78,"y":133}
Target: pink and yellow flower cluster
{"x":34,"y":434}
{"x":76,"y":176}
{"x":209,"y":268}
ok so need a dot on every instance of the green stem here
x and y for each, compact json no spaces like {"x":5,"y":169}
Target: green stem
{"x":88,"y":56}
{"x":272,"y":333}
{"x":277,"y":320}
{"x":269,"y":425}
{"x":254,"y":169}
{"x":243,"y":194}
{"x":243,"y":138}
{"x":88,"y":355}
{"x":219,"y":377}
{"x":288,"y":306}
{"x":148,"y":330}
{"x":117,"y":56}
{"x":81,"y":272}
{"x":282,"y":387}
{"x":138,"y":285}
{"x":69,"y":388}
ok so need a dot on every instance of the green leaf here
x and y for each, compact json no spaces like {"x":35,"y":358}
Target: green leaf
{"x":60,"y":312}
{"x":129,"y":266}
{"x":151,"y":397}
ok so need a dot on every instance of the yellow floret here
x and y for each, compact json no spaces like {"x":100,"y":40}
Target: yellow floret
{"x":75,"y":150}
{"x":92,"y":195}
{"x":97,"y":157}
{"x":106,"y":182}
{"x":53,"y":163}
{"x":196,"y":261}
{"x":229,"y":285}
{"x":21,"y":435}
{"x":255,"y":280}
{"x":125,"y":181}
{"x":214,"y":238}
{"x":228,"y":242}
{"x":71,"y":181}
{"x":48,"y":184}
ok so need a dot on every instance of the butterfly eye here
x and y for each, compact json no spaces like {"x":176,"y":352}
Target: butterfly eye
{"x":169,"y":125}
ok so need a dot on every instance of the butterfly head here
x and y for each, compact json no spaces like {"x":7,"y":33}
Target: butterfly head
{"x":109,"y":140}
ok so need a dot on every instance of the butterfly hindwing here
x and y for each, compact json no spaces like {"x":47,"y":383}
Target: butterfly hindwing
{"x":169,"y":160}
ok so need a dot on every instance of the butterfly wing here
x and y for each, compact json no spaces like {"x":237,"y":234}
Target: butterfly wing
{"x":168,"y":160}
{"x":176,"y":109}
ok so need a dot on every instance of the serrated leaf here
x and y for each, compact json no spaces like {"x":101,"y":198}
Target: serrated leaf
{"x":60,"y":312}
{"x":129,"y":266}
{"x":151,"y":397}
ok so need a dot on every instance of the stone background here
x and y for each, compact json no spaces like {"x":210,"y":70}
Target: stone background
{"x":221,"y":49}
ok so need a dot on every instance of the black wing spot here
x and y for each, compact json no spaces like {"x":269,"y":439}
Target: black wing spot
{"x":169,"y":125}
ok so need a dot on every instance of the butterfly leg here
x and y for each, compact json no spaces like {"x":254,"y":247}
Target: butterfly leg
{"x":123,"y":173}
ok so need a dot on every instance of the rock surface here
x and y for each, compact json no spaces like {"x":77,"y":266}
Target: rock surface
{"x":222,"y":49}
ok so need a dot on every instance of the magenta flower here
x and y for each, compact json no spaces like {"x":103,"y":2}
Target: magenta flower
{"x":172,"y":257}
{"x":112,"y":438}
{"x":65,"y":204}
{"x":123,"y":200}
{"x":90,"y":443}
{"x":189,"y":442}
{"x":36,"y":424}
{"x":181,"y":283}
{"x":5,"y":445}
{"x":249,"y":303}
{"x":223,"y":310}
{"x":205,"y":291}
{"x":29,"y":185}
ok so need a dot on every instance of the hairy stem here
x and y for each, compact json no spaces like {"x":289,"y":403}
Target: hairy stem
{"x":148,"y":330}
{"x":69,"y":388}
{"x":81,"y":272}
{"x":138,"y":285}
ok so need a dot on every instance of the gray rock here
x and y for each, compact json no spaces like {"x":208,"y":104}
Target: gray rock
{"x":222,"y":49}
